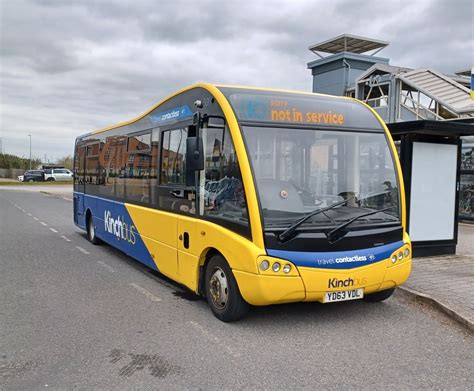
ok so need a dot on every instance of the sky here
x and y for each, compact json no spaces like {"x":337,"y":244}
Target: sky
{"x":69,"y":67}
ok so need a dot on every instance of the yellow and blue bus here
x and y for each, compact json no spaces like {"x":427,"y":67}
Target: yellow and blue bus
{"x":250,"y":196}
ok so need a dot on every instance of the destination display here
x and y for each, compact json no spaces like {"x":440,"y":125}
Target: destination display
{"x":294,"y":108}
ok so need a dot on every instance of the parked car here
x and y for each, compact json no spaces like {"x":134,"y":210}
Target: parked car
{"x":58,"y":174}
{"x":32,"y":176}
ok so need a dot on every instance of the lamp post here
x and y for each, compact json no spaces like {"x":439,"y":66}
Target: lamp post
{"x":30,"y":149}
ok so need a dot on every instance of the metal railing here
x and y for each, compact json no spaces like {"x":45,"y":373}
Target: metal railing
{"x":421,"y":111}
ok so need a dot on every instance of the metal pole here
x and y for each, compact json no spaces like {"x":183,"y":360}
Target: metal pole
{"x":30,"y":149}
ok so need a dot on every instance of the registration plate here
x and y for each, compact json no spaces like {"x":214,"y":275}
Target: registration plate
{"x":354,"y":294}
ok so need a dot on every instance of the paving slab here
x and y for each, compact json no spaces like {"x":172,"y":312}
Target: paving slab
{"x":447,"y":282}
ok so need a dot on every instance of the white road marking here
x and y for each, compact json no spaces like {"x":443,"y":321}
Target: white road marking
{"x":29,"y":214}
{"x":214,"y":339}
{"x":82,"y":250}
{"x":109,"y":268}
{"x":43,"y":223}
{"x":36,"y":218}
{"x":53,"y":230}
{"x":65,"y":238}
{"x":143,"y":291}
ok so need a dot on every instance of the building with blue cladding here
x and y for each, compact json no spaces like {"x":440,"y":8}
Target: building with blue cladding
{"x":349,"y":65}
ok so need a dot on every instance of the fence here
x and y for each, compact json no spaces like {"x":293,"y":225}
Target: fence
{"x":10,"y":172}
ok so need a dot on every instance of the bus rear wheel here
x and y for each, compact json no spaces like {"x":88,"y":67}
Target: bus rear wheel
{"x":379,"y":296}
{"x":222,"y":291}
{"x":91,"y":231}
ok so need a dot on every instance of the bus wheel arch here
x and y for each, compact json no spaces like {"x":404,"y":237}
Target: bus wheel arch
{"x":91,"y":229}
{"x":221,"y":289}
{"x":206,"y":255}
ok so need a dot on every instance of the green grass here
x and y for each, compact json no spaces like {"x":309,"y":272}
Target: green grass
{"x":47,"y":183}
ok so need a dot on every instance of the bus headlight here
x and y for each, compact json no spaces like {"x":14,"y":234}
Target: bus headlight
{"x":400,"y":256}
{"x":406,"y":253}
{"x":276,"y":267}
{"x":264,"y":265}
{"x":287,"y":268}
{"x":394,"y":258}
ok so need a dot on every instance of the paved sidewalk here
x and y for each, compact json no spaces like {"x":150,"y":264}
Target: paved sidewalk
{"x":447,"y":282}
{"x":63,"y":191}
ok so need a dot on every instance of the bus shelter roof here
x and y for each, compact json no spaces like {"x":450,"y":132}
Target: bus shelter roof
{"x":455,"y":128}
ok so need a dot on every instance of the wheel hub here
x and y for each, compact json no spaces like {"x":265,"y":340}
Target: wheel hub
{"x":92,"y":229}
{"x":218,"y":288}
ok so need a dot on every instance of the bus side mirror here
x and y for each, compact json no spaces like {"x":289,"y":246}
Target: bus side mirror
{"x":215,"y":121}
{"x":194,"y":154}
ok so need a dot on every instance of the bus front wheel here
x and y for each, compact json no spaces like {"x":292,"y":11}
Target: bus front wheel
{"x":91,"y":231}
{"x":222,"y":291}
{"x":379,"y":296}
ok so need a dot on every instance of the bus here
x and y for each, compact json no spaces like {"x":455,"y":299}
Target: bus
{"x":250,"y":196}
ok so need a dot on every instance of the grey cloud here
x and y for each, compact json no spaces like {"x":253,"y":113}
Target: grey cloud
{"x":72,"y":66}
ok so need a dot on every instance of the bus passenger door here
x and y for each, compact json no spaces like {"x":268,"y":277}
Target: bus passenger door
{"x":176,"y":198}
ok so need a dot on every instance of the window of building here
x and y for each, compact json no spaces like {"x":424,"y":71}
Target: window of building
{"x":140,"y":142}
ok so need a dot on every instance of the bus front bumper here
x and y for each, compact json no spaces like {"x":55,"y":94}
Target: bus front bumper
{"x":311,"y":284}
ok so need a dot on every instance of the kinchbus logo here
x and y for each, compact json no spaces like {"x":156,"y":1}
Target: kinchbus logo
{"x":348,"y":282}
{"x":119,"y":228}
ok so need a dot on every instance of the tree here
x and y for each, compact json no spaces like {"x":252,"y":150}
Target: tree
{"x":66,"y":161}
{"x":11,"y":161}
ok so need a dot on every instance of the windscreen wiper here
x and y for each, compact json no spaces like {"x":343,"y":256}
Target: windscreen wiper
{"x":287,"y":233}
{"x":338,"y":232}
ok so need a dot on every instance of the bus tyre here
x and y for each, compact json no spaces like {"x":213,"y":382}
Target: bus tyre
{"x":379,"y":296}
{"x":222,"y":292}
{"x":91,"y":231}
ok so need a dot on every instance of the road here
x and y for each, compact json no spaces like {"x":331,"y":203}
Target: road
{"x":74,"y":315}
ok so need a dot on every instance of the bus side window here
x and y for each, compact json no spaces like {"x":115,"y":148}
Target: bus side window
{"x":113,"y":152}
{"x":154,"y":169}
{"x":173,"y":194}
{"x":223,"y":193}
{"x":137,"y":173}
{"x":92,"y":168}
{"x":79,"y":157}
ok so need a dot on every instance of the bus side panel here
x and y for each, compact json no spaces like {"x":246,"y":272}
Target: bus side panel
{"x":158,"y":230}
{"x":240,"y":252}
{"x":115,"y":227}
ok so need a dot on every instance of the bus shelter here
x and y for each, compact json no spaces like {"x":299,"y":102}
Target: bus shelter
{"x":430,"y":155}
